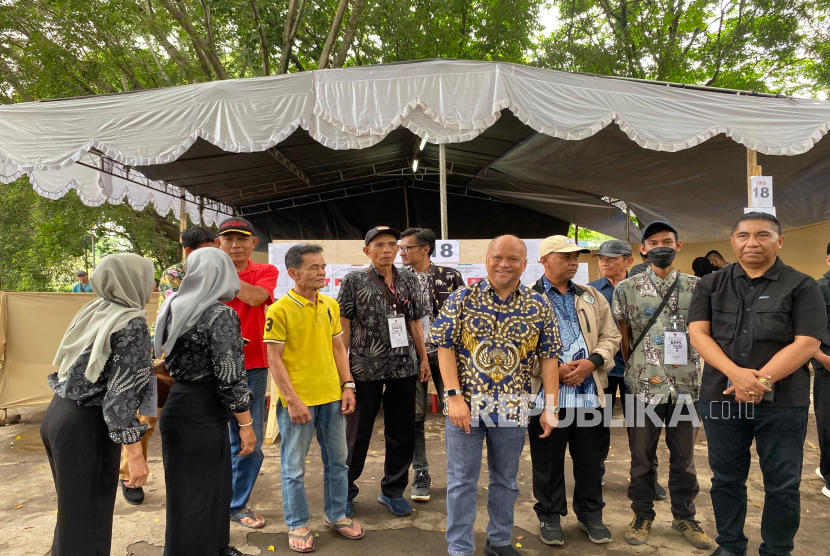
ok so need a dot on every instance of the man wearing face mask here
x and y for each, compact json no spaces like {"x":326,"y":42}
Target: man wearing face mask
{"x":663,"y":373}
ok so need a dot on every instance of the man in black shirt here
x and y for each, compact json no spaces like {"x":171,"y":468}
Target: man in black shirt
{"x":755,"y":324}
{"x":821,"y":390}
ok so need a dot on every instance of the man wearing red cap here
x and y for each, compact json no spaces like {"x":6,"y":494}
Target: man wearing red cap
{"x":237,"y":238}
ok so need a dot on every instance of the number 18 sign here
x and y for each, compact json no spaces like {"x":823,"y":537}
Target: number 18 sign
{"x":446,"y":251}
{"x":761,"y":191}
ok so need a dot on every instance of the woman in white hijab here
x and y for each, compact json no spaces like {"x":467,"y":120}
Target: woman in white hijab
{"x":202,"y":342}
{"x":103,"y":367}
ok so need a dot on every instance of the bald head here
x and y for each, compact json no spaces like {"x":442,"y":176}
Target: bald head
{"x":507,"y":240}
{"x":506,"y":261}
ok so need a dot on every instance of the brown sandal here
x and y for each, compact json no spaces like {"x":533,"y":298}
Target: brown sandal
{"x":304,"y":537}
{"x":348,"y":525}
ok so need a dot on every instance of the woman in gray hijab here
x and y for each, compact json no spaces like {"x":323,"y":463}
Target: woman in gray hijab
{"x":202,"y":342}
{"x":103,"y":367}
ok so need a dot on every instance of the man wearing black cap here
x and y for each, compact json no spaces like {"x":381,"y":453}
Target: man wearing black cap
{"x":380,"y":311}
{"x":237,"y":238}
{"x":83,"y":285}
{"x":663,"y":373}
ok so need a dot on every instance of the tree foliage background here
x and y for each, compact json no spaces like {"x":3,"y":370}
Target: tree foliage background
{"x":65,"y":48}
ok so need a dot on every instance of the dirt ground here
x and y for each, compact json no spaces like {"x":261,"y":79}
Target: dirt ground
{"x":28,"y":507}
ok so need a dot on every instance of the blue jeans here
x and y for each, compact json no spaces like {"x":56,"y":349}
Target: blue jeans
{"x":246,"y":469}
{"x":296,"y":441}
{"x":779,"y":434}
{"x":504,"y":449}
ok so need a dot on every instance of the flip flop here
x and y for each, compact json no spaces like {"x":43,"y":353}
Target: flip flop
{"x":240,"y":515}
{"x":348,"y":525}
{"x":303,"y":537}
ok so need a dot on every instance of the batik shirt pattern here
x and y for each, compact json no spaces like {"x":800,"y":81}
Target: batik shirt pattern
{"x":435,"y":286}
{"x":635,"y":301}
{"x":121,"y":385}
{"x":169,"y":283}
{"x":574,"y":347}
{"x":496,"y":343}
{"x":371,"y":355}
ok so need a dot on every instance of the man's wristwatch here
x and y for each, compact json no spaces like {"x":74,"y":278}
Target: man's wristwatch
{"x":452,"y":392}
{"x":553,"y":409}
{"x":348,"y":385}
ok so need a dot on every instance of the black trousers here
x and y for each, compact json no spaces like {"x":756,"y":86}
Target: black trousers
{"x":84,"y":465}
{"x":548,"y":456}
{"x":398,"y":401}
{"x":821,"y":404}
{"x":197,"y":470}
{"x":681,"y":433}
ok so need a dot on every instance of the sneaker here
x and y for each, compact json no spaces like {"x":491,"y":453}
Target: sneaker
{"x":598,"y":533}
{"x":660,"y":491}
{"x":638,"y":529}
{"x":551,"y":533}
{"x":506,"y":550}
{"x":134,"y":496}
{"x":420,"y":486}
{"x":825,"y":491}
{"x":399,"y":506}
{"x":693,"y":532}
{"x":350,"y":508}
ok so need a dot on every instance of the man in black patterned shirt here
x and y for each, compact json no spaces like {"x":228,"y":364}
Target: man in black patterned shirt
{"x":380,"y":311}
{"x":436,"y":283}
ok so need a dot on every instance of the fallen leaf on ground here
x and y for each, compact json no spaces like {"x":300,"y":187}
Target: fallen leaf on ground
{"x":18,"y":437}
{"x":485,"y":488}
{"x":757,"y":505}
{"x":18,"y":506}
{"x":443,"y":530}
{"x":518,"y":545}
{"x":316,"y":535}
{"x":156,"y":519}
{"x":271,"y":548}
{"x":813,"y":446}
{"x":308,"y":461}
{"x":520,"y":537}
{"x":54,"y":511}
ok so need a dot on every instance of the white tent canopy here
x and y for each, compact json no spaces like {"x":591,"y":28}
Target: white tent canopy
{"x":446,"y":102}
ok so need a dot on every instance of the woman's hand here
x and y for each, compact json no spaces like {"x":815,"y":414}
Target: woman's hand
{"x":248,"y":438}
{"x":137,"y":465}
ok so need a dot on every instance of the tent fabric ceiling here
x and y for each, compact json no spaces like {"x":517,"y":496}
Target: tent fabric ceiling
{"x":537,"y":138}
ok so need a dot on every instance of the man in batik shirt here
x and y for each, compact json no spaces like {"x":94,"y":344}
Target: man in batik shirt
{"x":663,"y":373}
{"x":192,"y":239}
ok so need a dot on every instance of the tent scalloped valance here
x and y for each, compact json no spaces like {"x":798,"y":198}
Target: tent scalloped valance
{"x":446,"y":101}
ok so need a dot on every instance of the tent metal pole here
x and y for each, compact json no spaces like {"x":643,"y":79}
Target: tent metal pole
{"x":442,"y":163}
{"x":183,"y":217}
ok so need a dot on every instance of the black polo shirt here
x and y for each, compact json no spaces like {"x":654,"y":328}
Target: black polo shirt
{"x":753,"y":319}
{"x":824,"y":286}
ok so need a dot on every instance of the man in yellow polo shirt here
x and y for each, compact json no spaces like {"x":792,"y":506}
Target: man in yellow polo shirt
{"x":309,"y":363}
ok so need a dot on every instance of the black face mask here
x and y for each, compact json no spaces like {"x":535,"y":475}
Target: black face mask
{"x":662,"y":257}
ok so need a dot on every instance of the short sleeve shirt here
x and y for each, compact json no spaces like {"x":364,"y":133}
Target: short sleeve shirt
{"x":253,"y":318}
{"x":635,"y":301}
{"x":435,"y":286}
{"x":306,"y":330}
{"x":371,"y":355}
{"x":496,"y":343}
{"x":753,"y":319}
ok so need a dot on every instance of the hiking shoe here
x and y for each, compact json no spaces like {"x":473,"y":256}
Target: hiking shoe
{"x":506,"y":550}
{"x":598,"y":533}
{"x":638,"y":529}
{"x":551,"y":533}
{"x":661,"y":492}
{"x":693,"y":532}
{"x":399,"y":506}
{"x":420,"y":486}
{"x":134,"y":496}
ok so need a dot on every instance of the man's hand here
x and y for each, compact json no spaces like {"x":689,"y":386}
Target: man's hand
{"x":298,"y":411}
{"x":459,"y":412}
{"x":580,"y":369}
{"x":564,"y":370}
{"x":548,"y":420}
{"x":160,"y":372}
{"x":137,"y":466}
{"x":424,"y":372}
{"x":347,"y":401}
{"x":746,"y":386}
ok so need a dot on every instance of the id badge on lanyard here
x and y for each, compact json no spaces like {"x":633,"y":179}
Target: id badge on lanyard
{"x":675,"y":346}
{"x":397,"y":332}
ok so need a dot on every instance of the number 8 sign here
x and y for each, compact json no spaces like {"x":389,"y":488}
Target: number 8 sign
{"x":446,"y":251}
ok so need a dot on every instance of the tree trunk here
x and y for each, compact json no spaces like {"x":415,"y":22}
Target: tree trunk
{"x":198,"y":42}
{"x":286,"y":36}
{"x":351,"y":29}
{"x":333,"y":32}
{"x":175,"y":54}
{"x":8,"y":74}
{"x":263,"y":40}
{"x":152,"y":49}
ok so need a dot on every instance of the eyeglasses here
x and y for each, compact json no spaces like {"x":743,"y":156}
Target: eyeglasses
{"x":405,"y":248}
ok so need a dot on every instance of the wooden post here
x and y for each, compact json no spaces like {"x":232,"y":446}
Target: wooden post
{"x":752,"y":169}
{"x":576,"y":233}
{"x":442,"y":162}
{"x":183,"y":217}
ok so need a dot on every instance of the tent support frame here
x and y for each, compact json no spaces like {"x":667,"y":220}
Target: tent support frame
{"x":442,"y":163}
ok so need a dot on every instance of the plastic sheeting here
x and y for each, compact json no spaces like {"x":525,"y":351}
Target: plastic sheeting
{"x":447,"y":101}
